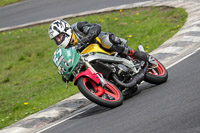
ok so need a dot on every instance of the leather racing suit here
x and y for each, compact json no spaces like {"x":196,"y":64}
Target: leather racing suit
{"x":86,"y":33}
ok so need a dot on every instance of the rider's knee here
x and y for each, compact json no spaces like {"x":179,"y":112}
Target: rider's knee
{"x":108,"y":40}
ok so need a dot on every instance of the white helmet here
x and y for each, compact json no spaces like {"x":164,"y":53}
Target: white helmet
{"x":58,"y":27}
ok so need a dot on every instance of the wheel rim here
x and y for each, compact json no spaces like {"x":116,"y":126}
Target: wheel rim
{"x":159,"y":71}
{"x":108,"y":93}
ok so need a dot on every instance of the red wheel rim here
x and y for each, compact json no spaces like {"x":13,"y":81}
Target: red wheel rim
{"x":159,"y":71}
{"x":108,"y":93}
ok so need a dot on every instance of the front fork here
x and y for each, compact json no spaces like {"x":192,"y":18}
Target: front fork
{"x":100,"y":76}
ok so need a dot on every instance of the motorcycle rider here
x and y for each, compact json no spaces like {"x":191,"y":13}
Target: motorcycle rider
{"x":83,"y":33}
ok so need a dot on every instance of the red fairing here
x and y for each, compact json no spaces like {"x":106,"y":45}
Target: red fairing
{"x":88,"y":73}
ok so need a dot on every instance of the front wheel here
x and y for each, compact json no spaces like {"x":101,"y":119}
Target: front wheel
{"x":109,"y":96}
{"x":156,"y":75}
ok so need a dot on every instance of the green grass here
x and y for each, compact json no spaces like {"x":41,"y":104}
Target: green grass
{"x":29,"y":81}
{"x":7,"y":2}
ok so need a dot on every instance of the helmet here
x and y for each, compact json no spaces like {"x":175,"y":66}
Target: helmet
{"x":58,"y":27}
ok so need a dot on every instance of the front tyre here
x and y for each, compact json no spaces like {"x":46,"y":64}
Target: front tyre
{"x":109,"y":96}
{"x":156,"y":75}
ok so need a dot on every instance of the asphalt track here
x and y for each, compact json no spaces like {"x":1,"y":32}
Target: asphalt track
{"x":172,"y":107}
{"x":35,"y":10}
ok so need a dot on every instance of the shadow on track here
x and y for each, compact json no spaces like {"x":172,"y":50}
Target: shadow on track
{"x":99,"y":109}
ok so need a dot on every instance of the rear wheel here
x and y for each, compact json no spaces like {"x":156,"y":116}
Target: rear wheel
{"x":156,"y":75}
{"x":109,"y":96}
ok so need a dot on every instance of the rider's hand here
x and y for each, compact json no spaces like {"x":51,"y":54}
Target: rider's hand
{"x":83,"y":43}
{"x":80,"y":47}
{"x":85,"y":40}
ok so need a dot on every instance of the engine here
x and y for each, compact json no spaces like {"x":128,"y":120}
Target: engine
{"x":123,"y":72}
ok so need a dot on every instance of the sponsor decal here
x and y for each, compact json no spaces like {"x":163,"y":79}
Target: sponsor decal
{"x":69,"y":60}
{"x":59,"y":60}
{"x":68,"y":53}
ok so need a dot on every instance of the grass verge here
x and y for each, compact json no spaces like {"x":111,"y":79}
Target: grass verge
{"x":7,"y":2}
{"x":29,"y":81}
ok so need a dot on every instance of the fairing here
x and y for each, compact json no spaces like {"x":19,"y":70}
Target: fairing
{"x":66,"y":60}
{"x":95,"y":48}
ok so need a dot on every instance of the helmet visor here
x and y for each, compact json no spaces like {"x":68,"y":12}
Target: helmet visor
{"x":59,"y":38}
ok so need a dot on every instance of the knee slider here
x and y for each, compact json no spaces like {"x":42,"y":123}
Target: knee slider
{"x":105,"y":41}
{"x":109,"y":40}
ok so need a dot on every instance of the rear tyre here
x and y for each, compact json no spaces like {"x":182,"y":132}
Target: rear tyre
{"x":156,"y":75}
{"x":109,"y":96}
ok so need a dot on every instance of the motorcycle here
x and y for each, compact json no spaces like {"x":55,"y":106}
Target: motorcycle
{"x":103,"y":76}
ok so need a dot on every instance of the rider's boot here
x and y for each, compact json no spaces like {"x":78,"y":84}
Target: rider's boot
{"x":125,"y":50}
{"x":140,"y":55}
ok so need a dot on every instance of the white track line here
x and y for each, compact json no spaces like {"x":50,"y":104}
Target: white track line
{"x":183,"y":58}
{"x":59,"y":122}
